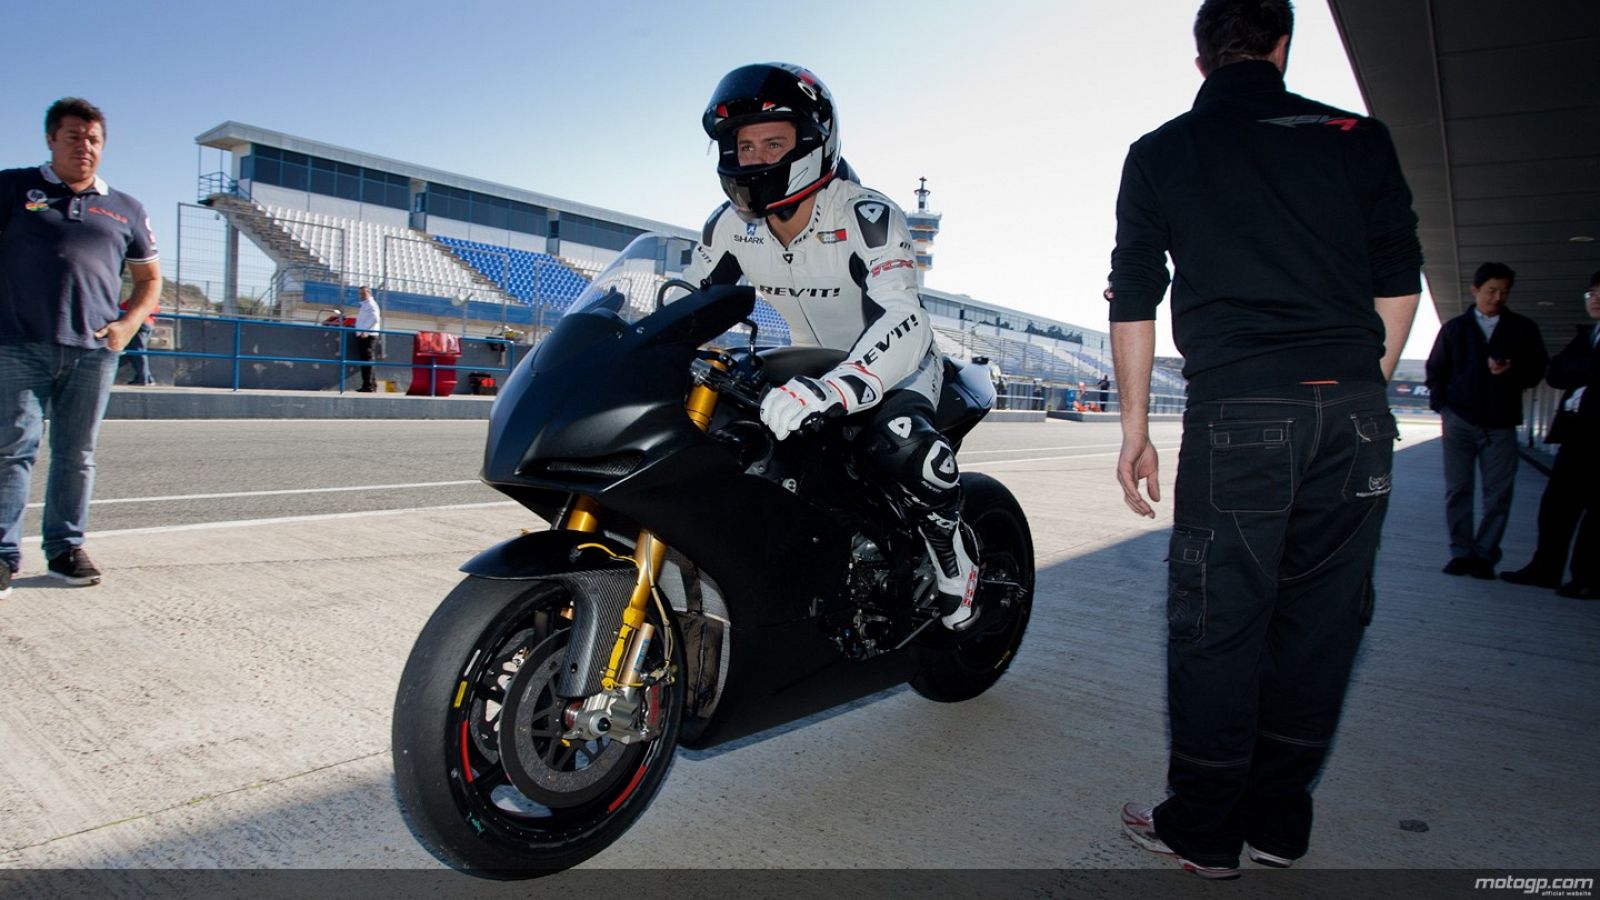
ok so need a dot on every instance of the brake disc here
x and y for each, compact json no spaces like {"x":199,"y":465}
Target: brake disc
{"x":549,"y":770}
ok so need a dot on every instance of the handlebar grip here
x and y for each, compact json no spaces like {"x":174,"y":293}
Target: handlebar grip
{"x":817,"y":422}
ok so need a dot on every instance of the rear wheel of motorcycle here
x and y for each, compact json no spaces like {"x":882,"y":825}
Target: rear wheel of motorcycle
{"x":471,"y":663}
{"x":960,"y":665}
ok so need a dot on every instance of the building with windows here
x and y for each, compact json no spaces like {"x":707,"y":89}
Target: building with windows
{"x":451,"y":252}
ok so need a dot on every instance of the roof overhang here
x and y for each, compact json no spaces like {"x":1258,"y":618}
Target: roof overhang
{"x":237,"y":137}
{"x":1495,"y":111}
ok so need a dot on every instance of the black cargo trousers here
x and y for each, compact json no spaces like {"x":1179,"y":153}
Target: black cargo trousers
{"x":1279,"y":502}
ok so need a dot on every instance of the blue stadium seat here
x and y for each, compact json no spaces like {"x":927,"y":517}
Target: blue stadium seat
{"x":527,"y":275}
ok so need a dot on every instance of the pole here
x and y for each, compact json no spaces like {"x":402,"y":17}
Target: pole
{"x":177,"y":268}
{"x":230,"y":269}
{"x":538,"y":302}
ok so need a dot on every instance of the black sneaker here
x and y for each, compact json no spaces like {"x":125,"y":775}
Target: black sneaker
{"x":5,"y":580}
{"x":75,"y":568}
{"x":1461,"y":565}
{"x":1531,"y":577}
{"x":1576,"y":591}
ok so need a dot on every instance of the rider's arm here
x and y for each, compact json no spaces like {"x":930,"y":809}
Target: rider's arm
{"x":712,"y":261}
{"x":897,"y":332}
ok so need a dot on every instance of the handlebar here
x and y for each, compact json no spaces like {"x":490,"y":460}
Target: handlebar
{"x":750,"y":390}
{"x":669,"y":284}
{"x":743,"y":390}
{"x":819,"y":422}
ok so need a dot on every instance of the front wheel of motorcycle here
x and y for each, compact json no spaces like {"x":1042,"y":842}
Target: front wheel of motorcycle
{"x":960,"y":665}
{"x":483,"y":777}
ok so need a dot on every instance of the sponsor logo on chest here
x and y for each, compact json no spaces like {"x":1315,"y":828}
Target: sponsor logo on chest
{"x":780,"y":291}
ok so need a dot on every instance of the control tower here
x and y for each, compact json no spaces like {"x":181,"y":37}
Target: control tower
{"x":923,"y":225}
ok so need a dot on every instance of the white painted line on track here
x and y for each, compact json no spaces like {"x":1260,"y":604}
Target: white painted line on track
{"x":286,"y":520}
{"x":285,"y":492}
{"x":991,"y":463}
{"x":273,"y":493}
{"x":975,"y":465}
{"x":966,"y":453}
{"x":170,"y":498}
{"x":163,"y":423}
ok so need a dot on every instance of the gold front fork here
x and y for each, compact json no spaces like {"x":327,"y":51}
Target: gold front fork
{"x":648,"y":555}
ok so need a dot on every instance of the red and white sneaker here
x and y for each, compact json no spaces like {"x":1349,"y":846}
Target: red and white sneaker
{"x":1139,"y":823}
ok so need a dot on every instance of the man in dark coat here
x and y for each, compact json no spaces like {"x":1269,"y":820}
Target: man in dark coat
{"x":1573,"y":491}
{"x":1481,"y":363}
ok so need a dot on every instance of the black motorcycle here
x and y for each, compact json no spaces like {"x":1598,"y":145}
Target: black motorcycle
{"x":700,"y":581}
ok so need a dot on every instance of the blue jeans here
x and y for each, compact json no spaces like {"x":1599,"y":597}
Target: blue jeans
{"x":71,"y":386}
{"x":1278,"y":505}
{"x":135,"y":356}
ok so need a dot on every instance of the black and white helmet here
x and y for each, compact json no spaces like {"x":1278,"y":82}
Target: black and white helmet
{"x":768,"y":92}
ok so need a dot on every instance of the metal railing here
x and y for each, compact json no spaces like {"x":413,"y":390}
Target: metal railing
{"x":1019,"y":394}
{"x":221,"y":183}
{"x":237,"y":356}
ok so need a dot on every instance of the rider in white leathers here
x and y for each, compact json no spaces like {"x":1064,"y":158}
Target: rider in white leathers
{"x":834,"y":259}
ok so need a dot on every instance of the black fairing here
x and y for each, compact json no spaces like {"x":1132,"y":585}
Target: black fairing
{"x":967,"y":397}
{"x":597,"y":387}
{"x":600,"y":390}
{"x":598,"y":411}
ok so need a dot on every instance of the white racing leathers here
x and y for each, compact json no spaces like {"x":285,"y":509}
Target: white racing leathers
{"x":848,"y":281}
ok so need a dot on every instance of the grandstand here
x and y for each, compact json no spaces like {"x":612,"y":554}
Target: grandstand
{"x":383,"y":255}
{"x":450,"y":252}
{"x":527,"y":275}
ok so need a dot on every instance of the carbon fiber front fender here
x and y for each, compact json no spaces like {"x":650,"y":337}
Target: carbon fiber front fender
{"x":599,"y":583}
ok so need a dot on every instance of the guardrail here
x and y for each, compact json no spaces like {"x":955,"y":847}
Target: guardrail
{"x":238,"y":355}
{"x":1070,"y":397}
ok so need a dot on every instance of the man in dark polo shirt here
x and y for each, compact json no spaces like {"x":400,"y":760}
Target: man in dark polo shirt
{"x":64,"y":239}
{"x":1291,"y":230}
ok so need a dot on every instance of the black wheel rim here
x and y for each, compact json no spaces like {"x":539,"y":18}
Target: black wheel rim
{"x":1003,"y":610}
{"x":507,"y":681}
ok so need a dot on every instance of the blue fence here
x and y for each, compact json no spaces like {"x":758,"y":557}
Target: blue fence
{"x":319,"y":293}
{"x":226,"y":352}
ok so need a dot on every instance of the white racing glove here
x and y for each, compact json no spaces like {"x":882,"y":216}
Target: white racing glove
{"x":849,"y":389}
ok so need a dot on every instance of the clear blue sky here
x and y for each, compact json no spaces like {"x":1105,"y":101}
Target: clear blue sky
{"x":1018,"y":112}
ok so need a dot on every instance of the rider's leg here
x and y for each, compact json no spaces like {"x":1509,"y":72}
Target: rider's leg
{"x":906,"y":449}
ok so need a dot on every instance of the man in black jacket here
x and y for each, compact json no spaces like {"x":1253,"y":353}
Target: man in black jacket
{"x":1573,"y":491}
{"x":1291,"y":229}
{"x":1481,"y":363}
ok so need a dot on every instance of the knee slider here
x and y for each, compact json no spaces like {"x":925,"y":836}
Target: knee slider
{"x":910,"y":451}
